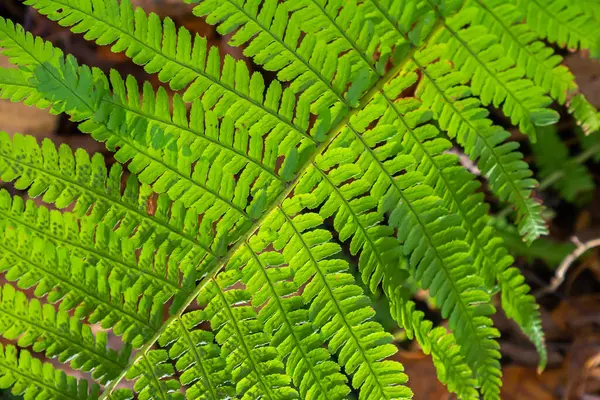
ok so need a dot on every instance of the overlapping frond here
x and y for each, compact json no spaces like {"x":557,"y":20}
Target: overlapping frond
{"x":337,"y":306}
{"x":459,"y":113}
{"x":509,"y":176}
{"x":91,"y":293}
{"x":189,"y":172}
{"x":15,"y":86}
{"x":493,"y":76}
{"x":58,"y":335}
{"x":29,"y":377}
{"x":551,"y":157}
{"x":186,"y":62}
{"x":563,"y":22}
{"x":153,"y":270}
{"x":286,"y":318}
{"x":450,"y":364}
{"x":432,"y":238}
{"x":333,"y":30}
{"x":539,"y":62}
{"x":204,"y":181}
{"x":271,"y":35}
{"x":256,"y":369}
{"x":67,"y":179}
{"x":509,"y":184}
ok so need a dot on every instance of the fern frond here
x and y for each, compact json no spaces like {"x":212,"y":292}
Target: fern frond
{"x":271,"y":36}
{"x":337,"y":306}
{"x":523,"y":45}
{"x":90,"y":292}
{"x":451,"y":366}
{"x":154,"y":377}
{"x":255,"y":366}
{"x":202,"y":180}
{"x":185,"y":61}
{"x":563,"y":22}
{"x":505,"y":182}
{"x":242,"y":147}
{"x":198,"y":358}
{"x":551,"y":157}
{"x":286,"y":319}
{"x":58,"y":335}
{"x":479,"y":55}
{"x":152,"y":270}
{"x":31,"y":378}
{"x":462,"y":116}
{"x":194,"y":177}
{"x":66,"y":179}
{"x":15,"y":86}
{"x":434,"y":241}
{"x":539,"y":62}
{"x":343,"y":192}
{"x":160,"y":169}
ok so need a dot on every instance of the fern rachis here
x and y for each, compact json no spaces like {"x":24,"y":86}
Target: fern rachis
{"x":223,"y":215}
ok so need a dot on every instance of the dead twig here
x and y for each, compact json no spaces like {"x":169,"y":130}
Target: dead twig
{"x":561,"y":271}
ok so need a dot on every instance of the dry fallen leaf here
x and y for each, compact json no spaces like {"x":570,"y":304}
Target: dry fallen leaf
{"x":422,"y":376}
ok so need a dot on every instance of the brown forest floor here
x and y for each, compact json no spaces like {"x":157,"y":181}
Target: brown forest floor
{"x":571,"y":313}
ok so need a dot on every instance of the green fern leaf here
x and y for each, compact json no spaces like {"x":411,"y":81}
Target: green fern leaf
{"x":184,"y":61}
{"x":152,"y":270}
{"x":450,"y":364}
{"x":254,"y":364}
{"x":78,"y":286}
{"x":479,"y":55}
{"x":462,"y":116}
{"x":539,"y":62}
{"x":198,"y":358}
{"x":338,"y":307}
{"x":31,"y":378}
{"x":150,"y":371}
{"x":58,"y":334}
{"x":286,"y":318}
{"x":67,"y":179}
{"x":564,"y":23}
